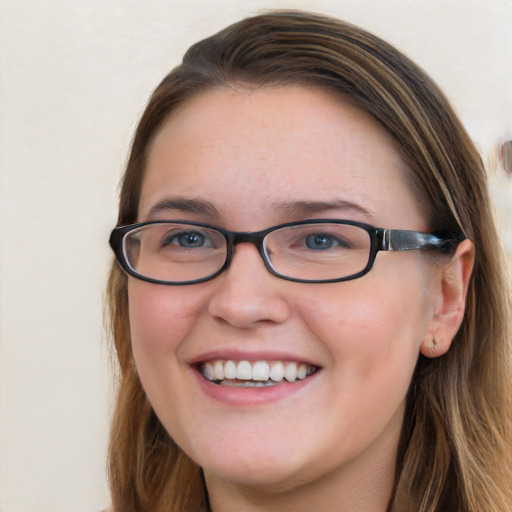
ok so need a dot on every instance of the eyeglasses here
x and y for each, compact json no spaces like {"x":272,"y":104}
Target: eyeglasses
{"x":313,"y":251}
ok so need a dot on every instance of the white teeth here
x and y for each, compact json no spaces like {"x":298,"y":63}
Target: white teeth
{"x":277,"y":371}
{"x":231,"y":373}
{"x":218,"y":370}
{"x":244,"y":370}
{"x":290,"y":372}
{"x":229,"y":370}
{"x":208,"y":371}
{"x":260,"y":371}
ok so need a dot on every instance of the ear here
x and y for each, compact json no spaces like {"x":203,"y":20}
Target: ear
{"x":449,"y":301}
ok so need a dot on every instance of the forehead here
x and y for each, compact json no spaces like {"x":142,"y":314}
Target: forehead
{"x":249,"y":151}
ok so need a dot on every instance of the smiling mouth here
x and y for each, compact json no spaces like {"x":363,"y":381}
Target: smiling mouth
{"x":254,"y":374}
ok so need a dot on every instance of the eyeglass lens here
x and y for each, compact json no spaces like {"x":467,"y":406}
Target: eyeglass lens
{"x":173,"y":252}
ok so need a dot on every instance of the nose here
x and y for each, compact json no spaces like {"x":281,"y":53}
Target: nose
{"x":246,"y":294}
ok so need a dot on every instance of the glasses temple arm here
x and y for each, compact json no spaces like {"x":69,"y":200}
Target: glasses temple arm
{"x":404,"y":240}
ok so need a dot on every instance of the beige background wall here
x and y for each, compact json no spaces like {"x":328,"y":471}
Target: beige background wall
{"x":74,"y":77}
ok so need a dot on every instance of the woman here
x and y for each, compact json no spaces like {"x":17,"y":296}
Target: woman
{"x":309,"y":308}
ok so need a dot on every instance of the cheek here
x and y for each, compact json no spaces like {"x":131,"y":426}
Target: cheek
{"x":373,"y":340}
{"x":160,"y":317}
{"x":371,"y":323}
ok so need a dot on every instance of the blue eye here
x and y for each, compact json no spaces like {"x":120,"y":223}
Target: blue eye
{"x":191,"y":240}
{"x":323,"y":241}
{"x":187,"y":240}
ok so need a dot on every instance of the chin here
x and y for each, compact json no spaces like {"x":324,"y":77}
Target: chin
{"x":253,"y":473}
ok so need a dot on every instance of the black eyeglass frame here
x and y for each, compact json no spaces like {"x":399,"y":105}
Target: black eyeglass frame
{"x":381,"y":239}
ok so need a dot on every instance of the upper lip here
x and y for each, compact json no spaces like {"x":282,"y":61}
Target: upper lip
{"x":252,"y":356}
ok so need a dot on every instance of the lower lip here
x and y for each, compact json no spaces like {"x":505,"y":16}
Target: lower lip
{"x":239,"y":396}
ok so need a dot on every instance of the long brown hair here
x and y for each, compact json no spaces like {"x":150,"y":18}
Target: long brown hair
{"x":455,"y":450}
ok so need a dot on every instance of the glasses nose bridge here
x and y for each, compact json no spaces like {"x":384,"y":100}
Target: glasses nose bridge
{"x":254,"y":238}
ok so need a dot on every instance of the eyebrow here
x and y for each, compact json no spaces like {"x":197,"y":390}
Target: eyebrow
{"x":304,"y":209}
{"x":184,"y":205}
{"x":297,"y":210}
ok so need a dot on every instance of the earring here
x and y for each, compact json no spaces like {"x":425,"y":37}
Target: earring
{"x":432,"y":347}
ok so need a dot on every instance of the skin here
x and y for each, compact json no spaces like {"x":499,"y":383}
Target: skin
{"x":331,"y":445}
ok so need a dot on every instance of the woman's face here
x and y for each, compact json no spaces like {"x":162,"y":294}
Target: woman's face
{"x":245,"y":160}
